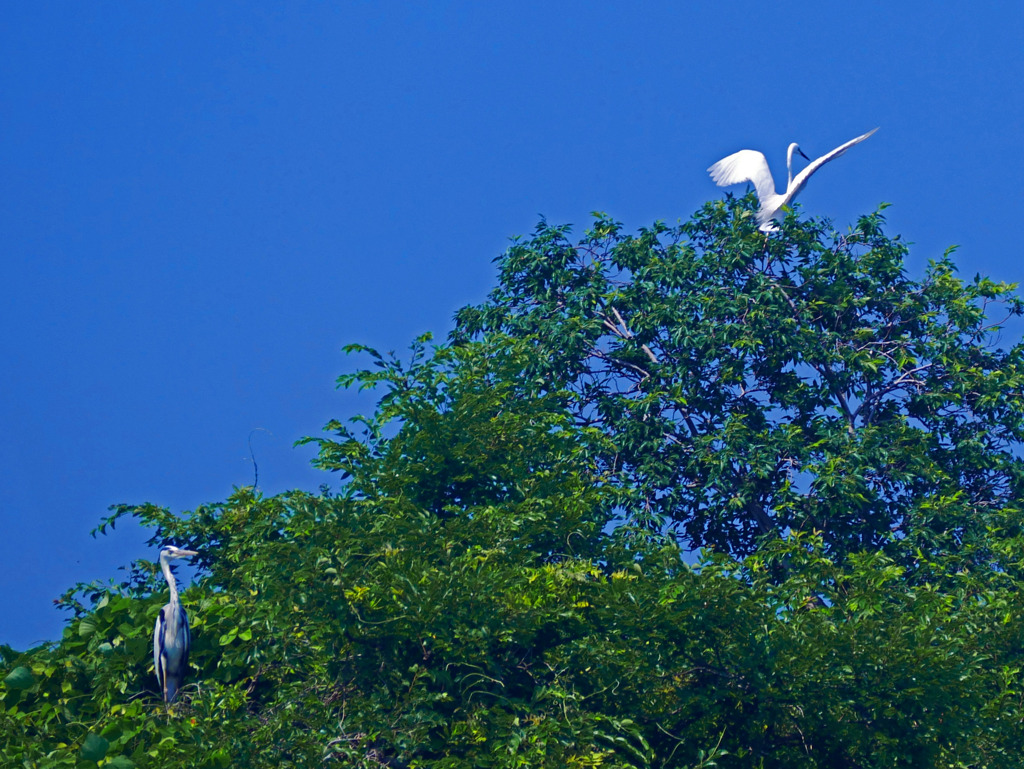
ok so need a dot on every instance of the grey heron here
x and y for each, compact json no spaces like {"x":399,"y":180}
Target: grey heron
{"x":751,"y":166}
{"x":171,"y":638}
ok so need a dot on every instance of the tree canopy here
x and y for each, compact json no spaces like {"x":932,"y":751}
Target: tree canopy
{"x":506,"y":572}
{"x":756,"y":385}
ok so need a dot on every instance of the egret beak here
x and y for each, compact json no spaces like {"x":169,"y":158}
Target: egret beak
{"x":802,"y":153}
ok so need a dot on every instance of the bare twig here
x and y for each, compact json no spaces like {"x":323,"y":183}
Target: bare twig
{"x":252,"y":456}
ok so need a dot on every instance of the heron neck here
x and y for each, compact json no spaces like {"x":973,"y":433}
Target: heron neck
{"x":171,"y":582}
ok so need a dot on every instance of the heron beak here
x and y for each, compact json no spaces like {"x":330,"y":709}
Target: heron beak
{"x":183,"y":553}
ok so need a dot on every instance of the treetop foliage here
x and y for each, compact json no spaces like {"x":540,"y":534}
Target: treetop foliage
{"x":502,"y":575}
{"x":758,"y":385}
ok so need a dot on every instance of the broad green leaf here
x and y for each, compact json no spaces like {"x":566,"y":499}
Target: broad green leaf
{"x":94,"y":747}
{"x":19,"y":678}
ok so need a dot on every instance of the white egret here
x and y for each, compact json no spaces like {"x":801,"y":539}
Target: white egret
{"x":751,"y":166}
{"x":171,"y":637}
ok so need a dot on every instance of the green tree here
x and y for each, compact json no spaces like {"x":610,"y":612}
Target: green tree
{"x":757,"y":385}
{"x":491,"y":585}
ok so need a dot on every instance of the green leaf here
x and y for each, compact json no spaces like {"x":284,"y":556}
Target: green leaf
{"x":94,"y":747}
{"x":19,"y":678}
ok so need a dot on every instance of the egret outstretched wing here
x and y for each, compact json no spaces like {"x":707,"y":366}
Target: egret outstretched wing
{"x":814,"y":165}
{"x":744,"y":166}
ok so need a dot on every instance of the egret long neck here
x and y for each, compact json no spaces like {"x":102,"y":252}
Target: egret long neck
{"x":789,"y":166}
{"x":165,"y":566}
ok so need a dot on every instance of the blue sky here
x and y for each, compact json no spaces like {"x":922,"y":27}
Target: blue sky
{"x":201,"y":203}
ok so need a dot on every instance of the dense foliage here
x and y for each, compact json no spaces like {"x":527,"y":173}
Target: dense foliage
{"x":754,"y":385}
{"x":503,"y":576}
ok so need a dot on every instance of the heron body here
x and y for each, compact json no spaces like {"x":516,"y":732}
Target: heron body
{"x":751,"y":166}
{"x":171,"y":637}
